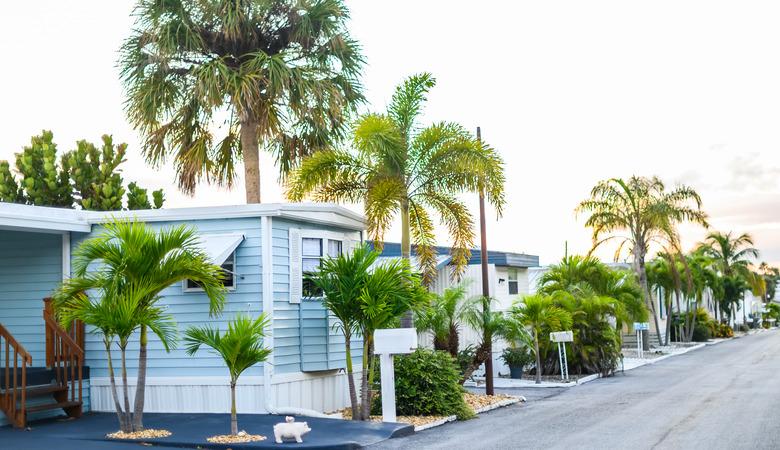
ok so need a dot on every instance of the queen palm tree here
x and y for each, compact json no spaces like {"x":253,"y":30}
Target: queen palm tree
{"x":539,"y":312}
{"x":208,"y":82}
{"x":396,"y":168}
{"x":637,"y":212}
{"x":131,"y":256}
{"x":731,"y":255}
{"x":241,"y":347}
{"x":115,"y":314}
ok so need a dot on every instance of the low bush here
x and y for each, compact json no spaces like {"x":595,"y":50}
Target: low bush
{"x":701,"y":332}
{"x":427,"y":383}
{"x":465,"y":357}
{"x":744,"y":328}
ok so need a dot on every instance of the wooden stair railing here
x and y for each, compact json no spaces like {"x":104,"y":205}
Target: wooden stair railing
{"x":65,"y":356}
{"x":14,"y":386}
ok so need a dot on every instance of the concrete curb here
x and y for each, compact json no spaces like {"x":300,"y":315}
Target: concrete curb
{"x":484,"y":409}
{"x":670,"y":355}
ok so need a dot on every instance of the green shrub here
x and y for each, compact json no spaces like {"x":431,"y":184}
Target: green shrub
{"x":517,"y":356}
{"x":427,"y":383}
{"x":701,"y":332}
{"x":465,"y":358}
{"x":743,"y":327}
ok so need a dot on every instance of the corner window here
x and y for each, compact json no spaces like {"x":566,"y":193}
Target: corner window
{"x":229,"y":276}
{"x":512,"y":283}
{"x":313,"y":250}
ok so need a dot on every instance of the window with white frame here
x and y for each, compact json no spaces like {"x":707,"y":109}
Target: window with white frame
{"x":512,"y":282}
{"x":313,"y":250}
{"x":228,"y":274}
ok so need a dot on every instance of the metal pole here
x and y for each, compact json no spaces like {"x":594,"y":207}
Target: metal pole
{"x":565,"y":361}
{"x":488,"y":340}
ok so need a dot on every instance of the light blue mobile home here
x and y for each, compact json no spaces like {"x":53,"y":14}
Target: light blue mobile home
{"x":266,"y":249}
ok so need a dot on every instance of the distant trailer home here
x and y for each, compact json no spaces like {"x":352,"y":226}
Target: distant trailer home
{"x":508,"y":279}
{"x":264,"y":248}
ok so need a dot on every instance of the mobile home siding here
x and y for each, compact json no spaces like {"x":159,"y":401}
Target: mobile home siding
{"x":30,"y":270}
{"x":192,"y":308}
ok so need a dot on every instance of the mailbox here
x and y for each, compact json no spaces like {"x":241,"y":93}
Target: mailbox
{"x":395,"y":341}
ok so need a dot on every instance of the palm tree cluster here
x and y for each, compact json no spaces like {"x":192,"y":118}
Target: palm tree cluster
{"x":118,"y":278}
{"x":366,"y":295}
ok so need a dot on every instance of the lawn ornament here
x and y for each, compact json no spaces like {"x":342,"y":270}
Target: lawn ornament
{"x":290,"y":429}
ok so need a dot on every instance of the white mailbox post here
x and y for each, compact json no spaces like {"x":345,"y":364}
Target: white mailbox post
{"x":561,"y":337}
{"x":389,"y":342}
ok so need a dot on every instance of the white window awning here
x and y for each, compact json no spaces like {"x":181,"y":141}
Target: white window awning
{"x":219,"y":247}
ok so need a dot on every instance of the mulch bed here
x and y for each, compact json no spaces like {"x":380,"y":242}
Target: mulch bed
{"x":145,"y":434}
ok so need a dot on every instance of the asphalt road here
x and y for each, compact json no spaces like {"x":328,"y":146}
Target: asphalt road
{"x":724,"y":396}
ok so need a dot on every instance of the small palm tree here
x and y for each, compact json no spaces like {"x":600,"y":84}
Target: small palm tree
{"x":130,"y":256}
{"x":638,"y":212}
{"x":397,"y":168}
{"x":241,"y":347}
{"x":366,"y":297}
{"x":278,"y":73}
{"x":114,"y":314}
{"x":443,"y":317}
{"x":538,"y":312}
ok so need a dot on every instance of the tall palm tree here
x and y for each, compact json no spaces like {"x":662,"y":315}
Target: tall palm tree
{"x":131,"y":256}
{"x":208,"y":82}
{"x":396,"y":168}
{"x":539,"y":312}
{"x":732,"y":255}
{"x":638,"y":212}
{"x":443,"y":317}
{"x":241,"y":347}
{"x":115,"y":313}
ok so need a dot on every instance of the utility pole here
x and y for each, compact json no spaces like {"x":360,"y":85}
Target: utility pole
{"x":487,"y":338}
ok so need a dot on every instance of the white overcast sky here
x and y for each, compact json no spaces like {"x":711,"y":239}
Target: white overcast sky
{"x":570,"y":92}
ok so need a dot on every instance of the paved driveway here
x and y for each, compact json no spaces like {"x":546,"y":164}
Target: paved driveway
{"x":720,"y":397}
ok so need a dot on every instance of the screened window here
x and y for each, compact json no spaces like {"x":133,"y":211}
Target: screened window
{"x":512,"y":282}
{"x":228,"y":273}
{"x":313,"y":250}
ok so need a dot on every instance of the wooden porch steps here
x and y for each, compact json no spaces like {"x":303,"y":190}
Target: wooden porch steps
{"x":66,"y":406}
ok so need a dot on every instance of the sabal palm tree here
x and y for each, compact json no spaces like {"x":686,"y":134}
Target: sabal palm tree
{"x":115,"y":314}
{"x":131,"y":256}
{"x":398,"y":169}
{"x":443,"y":317}
{"x":538,"y":312}
{"x":208,"y":83}
{"x":731,"y":254}
{"x":241,"y":347}
{"x":638,"y":212}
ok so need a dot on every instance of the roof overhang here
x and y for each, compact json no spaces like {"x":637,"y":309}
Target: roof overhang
{"x":219,"y":247}
{"x":41,"y":219}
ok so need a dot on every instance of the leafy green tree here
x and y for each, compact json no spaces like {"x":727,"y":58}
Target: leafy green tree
{"x":397,"y":168}
{"x":367,"y":297}
{"x":133,"y":257}
{"x":86,"y":177}
{"x":538,"y":312}
{"x":43,"y":181}
{"x":241,"y":347}
{"x":638,"y":212}
{"x":771,"y":275}
{"x":115,"y":313}
{"x":277,"y":73}
{"x":443,"y":316}
{"x":489,"y":325}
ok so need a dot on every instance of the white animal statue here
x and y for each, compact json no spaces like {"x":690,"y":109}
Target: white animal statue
{"x":290,"y":429}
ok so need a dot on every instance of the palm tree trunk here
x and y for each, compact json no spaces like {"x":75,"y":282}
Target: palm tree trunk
{"x":125,"y":388}
{"x":668,"y":304}
{"x":407,"y":321}
{"x":233,"y":416}
{"x":350,"y":376}
{"x":124,"y":424}
{"x":250,"y":150}
{"x":140,"y":383}
{"x":365,"y":395}
{"x":538,"y":358}
{"x":639,"y":264}
{"x":693,"y":320}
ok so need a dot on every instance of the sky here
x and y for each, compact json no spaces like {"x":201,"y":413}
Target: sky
{"x":569,"y":92}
